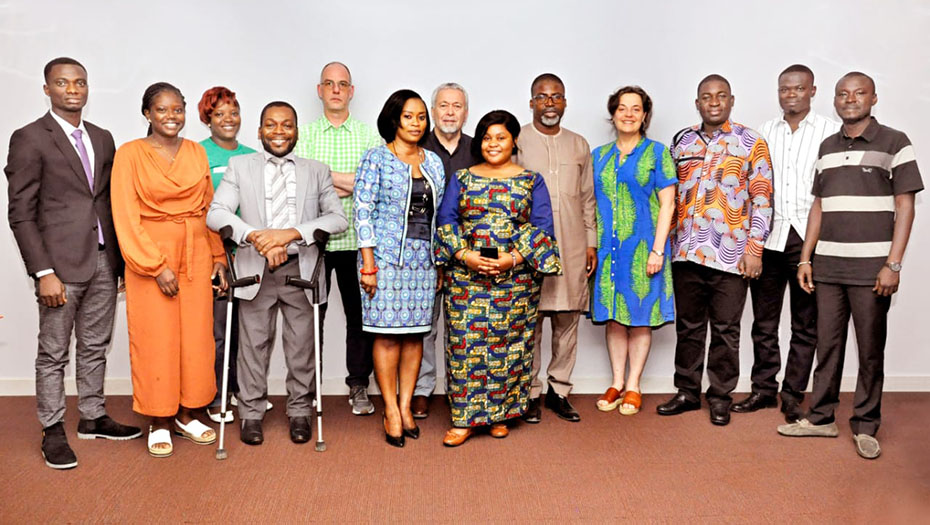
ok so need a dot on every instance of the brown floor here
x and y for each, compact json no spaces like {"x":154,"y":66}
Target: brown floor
{"x":607,"y":468}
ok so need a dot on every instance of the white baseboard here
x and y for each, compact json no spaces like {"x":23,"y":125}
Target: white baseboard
{"x":121,"y":386}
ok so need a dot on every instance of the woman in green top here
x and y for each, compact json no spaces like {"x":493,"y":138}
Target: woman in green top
{"x":219,"y":110}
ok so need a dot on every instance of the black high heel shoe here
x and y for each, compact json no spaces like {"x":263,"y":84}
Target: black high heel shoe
{"x":397,"y":441}
{"x":412,"y":433}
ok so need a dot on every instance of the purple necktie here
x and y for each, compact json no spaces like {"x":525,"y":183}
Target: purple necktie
{"x":85,"y":161}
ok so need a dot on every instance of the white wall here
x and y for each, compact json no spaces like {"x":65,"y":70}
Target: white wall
{"x":274,"y":50}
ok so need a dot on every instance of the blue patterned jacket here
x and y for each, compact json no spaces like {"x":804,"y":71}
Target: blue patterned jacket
{"x":382,"y":200}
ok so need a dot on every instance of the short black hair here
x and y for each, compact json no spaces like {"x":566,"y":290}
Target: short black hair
{"x":614,"y":102}
{"x":498,"y":116}
{"x":153,"y":91}
{"x":859,"y":74}
{"x":797,"y":68}
{"x":389,"y":118}
{"x":61,"y":61}
{"x":544,"y":77}
{"x":276,"y":104}
{"x":713,"y":77}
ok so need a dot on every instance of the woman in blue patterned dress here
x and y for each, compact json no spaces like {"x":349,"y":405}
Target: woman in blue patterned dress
{"x":397,"y":188}
{"x":491,"y":302}
{"x":634,"y":185}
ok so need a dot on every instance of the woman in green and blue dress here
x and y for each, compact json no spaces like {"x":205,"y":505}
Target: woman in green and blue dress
{"x":219,"y":110}
{"x":634,"y":185}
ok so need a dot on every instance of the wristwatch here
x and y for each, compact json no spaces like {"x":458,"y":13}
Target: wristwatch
{"x":893,"y":266}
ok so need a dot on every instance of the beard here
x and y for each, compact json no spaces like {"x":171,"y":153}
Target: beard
{"x":550,"y":121}
{"x":448,"y":130}
{"x":267,"y":145}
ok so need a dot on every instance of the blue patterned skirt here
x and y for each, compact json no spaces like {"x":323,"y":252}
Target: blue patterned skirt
{"x":403,"y":302}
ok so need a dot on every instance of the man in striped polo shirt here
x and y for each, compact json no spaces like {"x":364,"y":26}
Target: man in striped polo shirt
{"x":794,"y":142}
{"x":860,"y":222}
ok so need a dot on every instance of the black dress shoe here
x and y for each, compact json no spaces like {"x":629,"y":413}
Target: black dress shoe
{"x":791,"y":408}
{"x":251,"y":432}
{"x":532,"y":414}
{"x":755,"y":401}
{"x":720,"y":413}
{"x":677,"y":405}
{"x":104,"y":427}
{"x":300,"y":429}
{"x":55,"y":448}
{"x":561,"y":406}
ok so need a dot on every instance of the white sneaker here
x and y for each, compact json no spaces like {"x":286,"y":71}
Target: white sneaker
{"x":214,"y":415}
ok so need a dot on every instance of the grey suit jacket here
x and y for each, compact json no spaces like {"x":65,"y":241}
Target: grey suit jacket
{"x":243,"y":188}
{"x":53,"y":212}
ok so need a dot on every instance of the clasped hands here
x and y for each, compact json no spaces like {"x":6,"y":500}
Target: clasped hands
{"x":272,"y":244}
{"x":490,"y":266}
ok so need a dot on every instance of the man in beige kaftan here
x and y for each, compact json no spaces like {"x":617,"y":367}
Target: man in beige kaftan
{"x":563,"y":158}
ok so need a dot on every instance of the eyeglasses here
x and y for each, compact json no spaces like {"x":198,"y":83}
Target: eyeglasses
{"x":542,"y":98}
{"x":328,"y":84}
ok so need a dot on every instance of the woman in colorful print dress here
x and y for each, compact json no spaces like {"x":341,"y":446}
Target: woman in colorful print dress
{"x":491,"y":302}
{"x":397,"y":188}
{"x":634,"y":184}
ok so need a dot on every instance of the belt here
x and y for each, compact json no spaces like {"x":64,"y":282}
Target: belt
{"x":101,"y":247}
{"x":190,"y":222}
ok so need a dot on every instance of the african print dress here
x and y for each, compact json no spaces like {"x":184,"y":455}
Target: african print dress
{"x":394,"y":216}
{"x":626,"y":190}
{"x":490,"y":321}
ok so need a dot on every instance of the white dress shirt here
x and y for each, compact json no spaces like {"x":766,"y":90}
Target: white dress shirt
{"x":794,"y":155}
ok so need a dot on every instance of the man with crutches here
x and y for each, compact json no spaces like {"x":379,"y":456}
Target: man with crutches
{"x":282,"y":200}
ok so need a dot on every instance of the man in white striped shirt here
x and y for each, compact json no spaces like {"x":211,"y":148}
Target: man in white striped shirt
{"x":794,"y":140}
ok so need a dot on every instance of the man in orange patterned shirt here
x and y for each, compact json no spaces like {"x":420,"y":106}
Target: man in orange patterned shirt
{"x":724,"y":214}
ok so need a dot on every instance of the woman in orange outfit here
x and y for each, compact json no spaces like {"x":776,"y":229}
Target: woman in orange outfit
{"x":161,"y":192}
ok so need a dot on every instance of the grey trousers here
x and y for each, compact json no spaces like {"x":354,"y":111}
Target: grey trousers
{"x":564,"y":352}
{"x":257,"y":320}
{"x":89,"y":314}
{"x":426,"y":381}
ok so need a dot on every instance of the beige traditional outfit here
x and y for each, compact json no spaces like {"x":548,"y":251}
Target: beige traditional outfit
{"x":564,"y":161}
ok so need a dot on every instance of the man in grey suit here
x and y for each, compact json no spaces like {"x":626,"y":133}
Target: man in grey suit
{"x":59,"y":210}
{"x":281,"y":200}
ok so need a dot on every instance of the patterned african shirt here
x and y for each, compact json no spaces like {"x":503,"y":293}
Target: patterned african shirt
{"x":724,"y":203}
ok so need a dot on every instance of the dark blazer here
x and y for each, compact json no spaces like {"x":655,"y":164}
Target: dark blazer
{"x":53,"y":212}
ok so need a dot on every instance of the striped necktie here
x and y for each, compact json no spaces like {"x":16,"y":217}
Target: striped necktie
{"x":279,"y":218}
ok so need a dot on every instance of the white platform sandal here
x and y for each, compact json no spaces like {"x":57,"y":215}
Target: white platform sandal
{"x":195,"y":431}
{"x":158,"y":437}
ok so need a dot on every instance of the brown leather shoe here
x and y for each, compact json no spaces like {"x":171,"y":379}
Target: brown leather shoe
{"x":420,"y":407}
{"x":454,"y":439}
{"x":499,"y":430}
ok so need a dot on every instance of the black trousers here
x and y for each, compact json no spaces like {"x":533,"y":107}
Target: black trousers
{"x":358,"y":344}
{"x":835,"y":303}
{"x":703,"y":295}
{"x":779,"y":269}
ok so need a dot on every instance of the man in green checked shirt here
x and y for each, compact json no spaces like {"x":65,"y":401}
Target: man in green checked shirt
{"x":339,"y":141}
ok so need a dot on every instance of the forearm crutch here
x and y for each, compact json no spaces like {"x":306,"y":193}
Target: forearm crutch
{"x":228,"y":246}
{"x":313,"y":285}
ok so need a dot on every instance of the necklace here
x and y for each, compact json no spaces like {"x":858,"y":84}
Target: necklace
{"x":394,"y":151}
{"x":162,"y":150}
